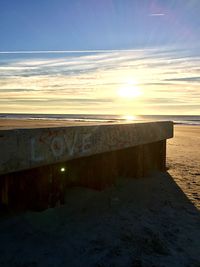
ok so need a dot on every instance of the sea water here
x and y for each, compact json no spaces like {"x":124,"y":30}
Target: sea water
{"x":177,"y":119}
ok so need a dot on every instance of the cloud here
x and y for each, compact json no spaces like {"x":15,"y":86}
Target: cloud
{"x":68,"y":51}
{"x":14,"y":90}
{"x":76,"y":81}
{"x":185,"y":79}
{"x":156,"y":14}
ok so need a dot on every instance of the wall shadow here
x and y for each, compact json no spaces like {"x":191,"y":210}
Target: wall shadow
{"x":136,"y":222}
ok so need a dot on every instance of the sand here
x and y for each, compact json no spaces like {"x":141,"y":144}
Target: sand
{"x":153,"y":221}
{"x":184,"y":161}
{"x":6,"y":124}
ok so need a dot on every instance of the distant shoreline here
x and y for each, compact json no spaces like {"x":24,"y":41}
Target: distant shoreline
{"x":97,"y":118}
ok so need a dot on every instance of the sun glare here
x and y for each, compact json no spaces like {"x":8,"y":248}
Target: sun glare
{"x":129,"y":117}
{"x":129,"y":91}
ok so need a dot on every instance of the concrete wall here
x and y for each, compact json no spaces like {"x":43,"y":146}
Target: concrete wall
{"x":44,"y":187}
{"x":22,"y":149}
{"x":37,"y":165}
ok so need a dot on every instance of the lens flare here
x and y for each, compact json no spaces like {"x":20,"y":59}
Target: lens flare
{"x":62,"y":169}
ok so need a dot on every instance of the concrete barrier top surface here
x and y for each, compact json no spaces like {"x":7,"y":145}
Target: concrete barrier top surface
{"x":28,"y":145}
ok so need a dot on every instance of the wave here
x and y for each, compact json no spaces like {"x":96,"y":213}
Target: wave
{"x":177,"y":119}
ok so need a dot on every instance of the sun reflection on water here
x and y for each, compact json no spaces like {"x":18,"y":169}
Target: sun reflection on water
{"x":129,"y":118}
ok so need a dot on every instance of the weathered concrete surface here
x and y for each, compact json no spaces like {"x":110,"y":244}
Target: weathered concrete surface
{"x":22,"y":149}
{"x":43,"y":187}
{"x":37,"y":165}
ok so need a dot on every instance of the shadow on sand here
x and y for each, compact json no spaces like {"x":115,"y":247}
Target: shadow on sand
{"x":136,"y":222}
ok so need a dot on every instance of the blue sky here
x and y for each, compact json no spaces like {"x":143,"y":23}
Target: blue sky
{"x":94,"y":24}
{"x":149,"y":47}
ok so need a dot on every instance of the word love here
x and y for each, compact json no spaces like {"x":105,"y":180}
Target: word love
{"x":60,"y":146}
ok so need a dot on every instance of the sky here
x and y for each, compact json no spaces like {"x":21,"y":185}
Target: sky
{"x":100,"y":57}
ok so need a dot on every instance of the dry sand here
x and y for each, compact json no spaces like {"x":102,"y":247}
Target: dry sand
{"x":184,"y":161}
{"x":153,"y":221}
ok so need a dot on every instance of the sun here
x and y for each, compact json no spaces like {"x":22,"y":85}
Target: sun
{"x":129,"y":91}
{"x":129,"y":118}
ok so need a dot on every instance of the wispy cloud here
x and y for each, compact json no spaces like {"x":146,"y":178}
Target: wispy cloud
{"x":185,"y":79}
{"x":88,"y":81}
{"x":68,"y":51}
{"x":156,"y":14}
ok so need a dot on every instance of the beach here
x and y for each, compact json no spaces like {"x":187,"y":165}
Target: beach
{"x":146,"y":222}
{"x":6,"y":124}
{"x":184,"y":161}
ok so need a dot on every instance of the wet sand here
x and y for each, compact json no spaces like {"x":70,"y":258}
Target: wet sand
{"x":153,"y":221}
{"x":6,"y":124}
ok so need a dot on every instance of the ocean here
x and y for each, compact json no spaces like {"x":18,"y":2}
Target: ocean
{"x":177,"y":119}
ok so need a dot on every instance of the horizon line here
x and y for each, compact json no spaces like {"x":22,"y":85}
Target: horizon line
{"x":101,"y":114}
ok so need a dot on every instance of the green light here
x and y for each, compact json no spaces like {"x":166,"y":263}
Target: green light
{"x":62,"y":169}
